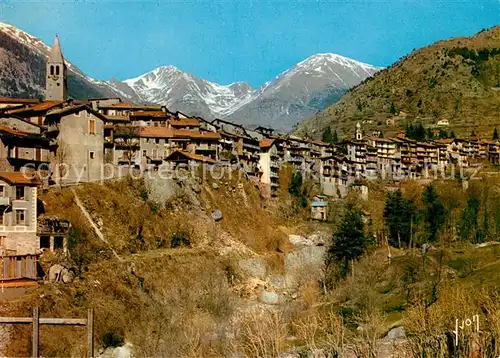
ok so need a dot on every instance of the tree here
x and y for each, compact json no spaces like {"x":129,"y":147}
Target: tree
{"x":429,"y":134}
{"x":443,"y":134}
{"x":434,"y":211}
{"x":393,"y":109}
{"x":399,"y":215}
{"x":469,"y":221}
{"x":452,"y":134}
{"x":327,"y":136}
{"x":128,"y":139}
{"x":335,"y":138}
{"x":295,"y":186}
{"x":349,"y":239}
{"x":495,"y":134}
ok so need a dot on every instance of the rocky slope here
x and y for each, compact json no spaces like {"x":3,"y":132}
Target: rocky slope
{"x":456,"y":79}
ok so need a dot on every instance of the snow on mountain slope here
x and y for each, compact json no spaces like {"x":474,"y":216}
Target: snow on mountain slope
{"x":174,"y":88}
{"x":306,"y":88}
{"x":309,"y":86}
{"x":22,"y":69}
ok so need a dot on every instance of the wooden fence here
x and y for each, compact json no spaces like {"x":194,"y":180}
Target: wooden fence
{"x":36,"y":321}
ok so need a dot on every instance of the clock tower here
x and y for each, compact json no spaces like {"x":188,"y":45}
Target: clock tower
{"x":56,"y":84}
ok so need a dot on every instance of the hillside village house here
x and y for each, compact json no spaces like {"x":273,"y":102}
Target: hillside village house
{"x":82,"y":136}
{"x":269,"y":165}
{"x":21,"y":144}
{"x":78,"y":131}
{"x":18,"y":213}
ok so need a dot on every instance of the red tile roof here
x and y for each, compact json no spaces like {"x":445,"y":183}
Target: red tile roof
{"x":43,"y":106}
{"x":192,"y":156}
{"x":266,"y":143}
{"x":13,"y":131}
{"x":20,"y":178}
{"x":156,"y":132}
{"x":157,"y":114}
{"x":184,"y":122}
{"x":205,"y":135}
{"x":19,"y":100}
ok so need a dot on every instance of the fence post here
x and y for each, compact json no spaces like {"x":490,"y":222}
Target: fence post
{"x":35,"y":332}
{"x":90,"y":332}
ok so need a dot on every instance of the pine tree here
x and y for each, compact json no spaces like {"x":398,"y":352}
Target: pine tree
{"x":327,"y":136}
{"x":399,"y":213}
{"x":335,"y":138}
{"x":469,"y":221}
{"x":429,"y":135}
{"x":349,"y":241}
{"x":434,"y":211}
{"x":295,"y":186}
{"x":495,"y":134}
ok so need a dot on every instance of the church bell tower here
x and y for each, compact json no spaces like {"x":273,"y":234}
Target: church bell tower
{"x":56,"y":82}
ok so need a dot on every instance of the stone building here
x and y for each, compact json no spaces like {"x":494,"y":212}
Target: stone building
{"x":78,"y":132}
{"x":269,"y":165}
{"x":18,"y":214}
{"x":21,"y":144}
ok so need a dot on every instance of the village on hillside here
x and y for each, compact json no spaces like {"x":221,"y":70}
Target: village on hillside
{"x":63,"y":141}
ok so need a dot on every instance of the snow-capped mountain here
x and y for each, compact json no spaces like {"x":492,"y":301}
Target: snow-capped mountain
{"x":299,"y":92}
{"x":22,"y":69}
{"x":182,"y":91}
{"x":306,"y":88}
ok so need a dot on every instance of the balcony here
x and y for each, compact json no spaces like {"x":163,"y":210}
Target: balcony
{"x":206,"y":147}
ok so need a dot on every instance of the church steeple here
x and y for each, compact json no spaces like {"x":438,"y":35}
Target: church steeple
{"x":56,"y":83}
{"x":358,"y":133}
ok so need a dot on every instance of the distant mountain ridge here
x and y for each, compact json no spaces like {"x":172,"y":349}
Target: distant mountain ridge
{"x":281,"y":103}
{"x":457,"y":80}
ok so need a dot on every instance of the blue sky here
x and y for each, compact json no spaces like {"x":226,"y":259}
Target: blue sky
{"x":236,"y":40}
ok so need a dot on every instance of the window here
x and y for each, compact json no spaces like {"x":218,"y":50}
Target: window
{"x":58,"y":242}
{"x":91,"y":126}
{"x":20,"y":217}
{"x":19,"y":192}
{"x":51,"y":70}
{"x":57,"y":70}
{"x":144,"y":153}
{"x":92,"y":155}
{"x":157,"y":140}
{"x":2,"y":191}
{"x":45,"y":242}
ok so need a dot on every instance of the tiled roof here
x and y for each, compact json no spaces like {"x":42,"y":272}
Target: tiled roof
{"x":184,"y":122}
{"x":43,"y":106}
{"x":446,"y":140}
{"x":13,"y":131}
{"x":192,"y":156}
{"x":266,"y":143}
{"x":157,"y":114}
{"x":20,"y":178}
{"x":205,"y":135}
{"x":156,"y":132}
{"x":19,"y":100}
{"x":130,"y":106}
{"x":164,"y":132}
